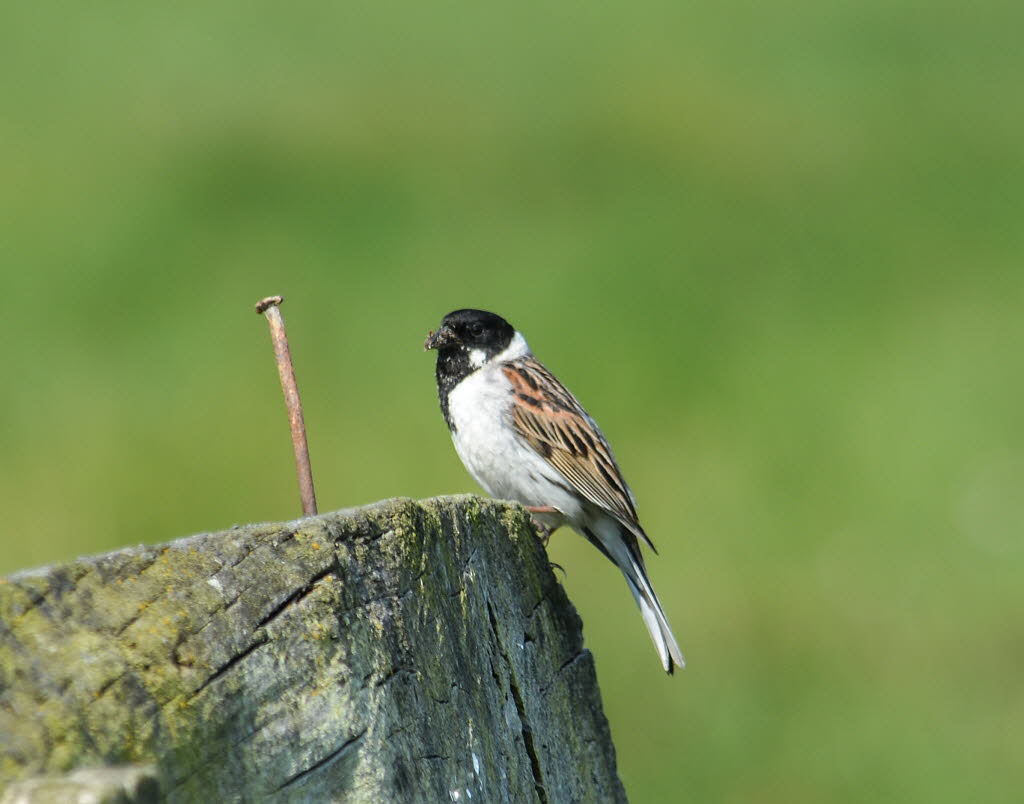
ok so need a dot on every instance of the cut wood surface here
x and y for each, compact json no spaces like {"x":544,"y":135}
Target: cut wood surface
{"x":403,"y":651}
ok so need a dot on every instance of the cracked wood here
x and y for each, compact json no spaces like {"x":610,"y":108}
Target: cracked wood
{"x":400,"y":651}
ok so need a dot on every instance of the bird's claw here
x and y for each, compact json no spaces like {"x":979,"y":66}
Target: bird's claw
{"x":544,"y":531}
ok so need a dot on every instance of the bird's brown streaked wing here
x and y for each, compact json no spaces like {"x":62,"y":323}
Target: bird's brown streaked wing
{"x":551,"y":421}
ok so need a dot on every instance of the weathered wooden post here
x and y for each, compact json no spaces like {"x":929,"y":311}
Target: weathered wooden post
{"x":405,"y":651}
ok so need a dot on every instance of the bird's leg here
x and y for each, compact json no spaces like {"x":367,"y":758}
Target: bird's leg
{"x":541,"y":509}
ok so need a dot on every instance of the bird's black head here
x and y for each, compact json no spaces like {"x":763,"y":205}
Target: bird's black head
{"x":472,"y":330}
{"x":466,"y":341}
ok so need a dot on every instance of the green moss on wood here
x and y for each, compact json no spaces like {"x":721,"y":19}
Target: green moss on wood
{"x":401,"y":651}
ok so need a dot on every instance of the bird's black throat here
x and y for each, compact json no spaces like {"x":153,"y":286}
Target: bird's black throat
{"x":452,"y":368}
{"x":466,"y":340}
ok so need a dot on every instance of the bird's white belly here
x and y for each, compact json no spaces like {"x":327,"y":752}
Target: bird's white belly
{"x":497,"y":458}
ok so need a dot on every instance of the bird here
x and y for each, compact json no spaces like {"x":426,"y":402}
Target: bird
{"x":523,"y":436}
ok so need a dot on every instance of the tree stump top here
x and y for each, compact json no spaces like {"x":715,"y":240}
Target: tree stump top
{"x":406,"y":650}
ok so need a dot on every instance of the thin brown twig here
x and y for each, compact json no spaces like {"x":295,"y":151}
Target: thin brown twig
{"x":270,"y":307}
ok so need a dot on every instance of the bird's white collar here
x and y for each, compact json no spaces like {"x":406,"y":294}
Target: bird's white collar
{"x":516,"y":349}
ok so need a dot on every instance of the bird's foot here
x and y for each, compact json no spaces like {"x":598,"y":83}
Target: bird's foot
{"x":545,"y":533}
{"x":555,"y":566}
{"x":545,"y":530}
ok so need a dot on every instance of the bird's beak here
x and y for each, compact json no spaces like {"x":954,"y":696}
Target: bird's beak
{"x":439,"y":339}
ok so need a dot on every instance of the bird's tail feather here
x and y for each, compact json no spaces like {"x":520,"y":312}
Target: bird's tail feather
{"x":657,"y":625}
{"x":614,"y":544}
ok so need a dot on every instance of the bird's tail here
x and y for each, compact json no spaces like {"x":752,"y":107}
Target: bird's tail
{"x":621,"y":547}
{"x":657,"y":624}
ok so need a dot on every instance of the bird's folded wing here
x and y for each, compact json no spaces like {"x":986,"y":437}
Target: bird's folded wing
{"x":553,"y":423}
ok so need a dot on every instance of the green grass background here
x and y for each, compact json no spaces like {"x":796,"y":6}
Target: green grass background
{"x":777,"y":249}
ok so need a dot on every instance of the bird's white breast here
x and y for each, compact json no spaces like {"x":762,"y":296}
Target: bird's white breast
{"x":497,"y":458}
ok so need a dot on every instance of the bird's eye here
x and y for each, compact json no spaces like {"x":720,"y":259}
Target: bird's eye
{"x":476,"y":329}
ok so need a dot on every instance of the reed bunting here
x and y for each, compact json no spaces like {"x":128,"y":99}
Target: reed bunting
{"x":523,"y":436}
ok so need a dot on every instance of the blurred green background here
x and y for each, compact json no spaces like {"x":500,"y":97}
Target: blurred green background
{"x":776,"y":249}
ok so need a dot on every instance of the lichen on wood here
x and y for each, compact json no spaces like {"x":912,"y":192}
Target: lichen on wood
{"x":413,"y":651}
